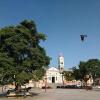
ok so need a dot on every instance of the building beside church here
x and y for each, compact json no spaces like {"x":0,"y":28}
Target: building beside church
{"x":53,"y":74}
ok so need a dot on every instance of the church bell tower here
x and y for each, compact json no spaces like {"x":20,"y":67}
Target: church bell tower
{"x":61,"y":63}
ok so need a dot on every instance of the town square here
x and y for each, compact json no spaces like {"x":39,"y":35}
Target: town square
{"x":49,"y":49}
{"x":58,"y":94}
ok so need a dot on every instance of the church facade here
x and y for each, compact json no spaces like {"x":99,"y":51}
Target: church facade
{"x":53,"y":74}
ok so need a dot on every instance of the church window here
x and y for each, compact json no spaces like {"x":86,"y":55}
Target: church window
{"x":49,"y":78}
{"x":61,"y":62}
{"x":56,"y":78}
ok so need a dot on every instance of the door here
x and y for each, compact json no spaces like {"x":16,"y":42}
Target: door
{"x":53,"y":79}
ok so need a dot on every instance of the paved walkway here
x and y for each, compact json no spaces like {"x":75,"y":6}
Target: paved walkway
{"x":61,"y":94}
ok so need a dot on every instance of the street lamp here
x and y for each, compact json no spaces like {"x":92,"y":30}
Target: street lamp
{"x":45,"y":82}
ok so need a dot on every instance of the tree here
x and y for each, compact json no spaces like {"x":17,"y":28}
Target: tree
{"x":68,"y":75}
{"x":21,"y":54}
{"x":76,"y":73}
{"x":92,"y":66}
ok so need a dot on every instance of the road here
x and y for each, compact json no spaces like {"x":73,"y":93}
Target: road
{"x":61,"y":94}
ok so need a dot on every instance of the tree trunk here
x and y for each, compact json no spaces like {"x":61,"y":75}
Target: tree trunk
{"x":18,"y":88}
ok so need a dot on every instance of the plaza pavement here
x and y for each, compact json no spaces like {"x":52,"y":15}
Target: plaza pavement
{"x":61,"y":94}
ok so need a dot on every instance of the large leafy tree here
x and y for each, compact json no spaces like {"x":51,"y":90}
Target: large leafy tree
{"x":21,"y":55}
{"x":92,"y":66}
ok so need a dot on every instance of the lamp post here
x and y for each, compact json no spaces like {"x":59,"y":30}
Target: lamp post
{"x":45,"y":82}
{"x":45,"y":78}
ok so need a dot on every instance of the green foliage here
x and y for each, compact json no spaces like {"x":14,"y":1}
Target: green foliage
{"x":20,"y":53}
{"x":92,"y":66}
{"x":68,"y":75}
{"x":6,"y":68}
{"x":38,"y":74}
{"x":23,"y":77}
{"x":76,"y":73}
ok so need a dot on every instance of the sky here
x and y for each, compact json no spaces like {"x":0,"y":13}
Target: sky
{"x":62,"y":21}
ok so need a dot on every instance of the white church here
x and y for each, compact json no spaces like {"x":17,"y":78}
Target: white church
{"x":54,"y":75}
